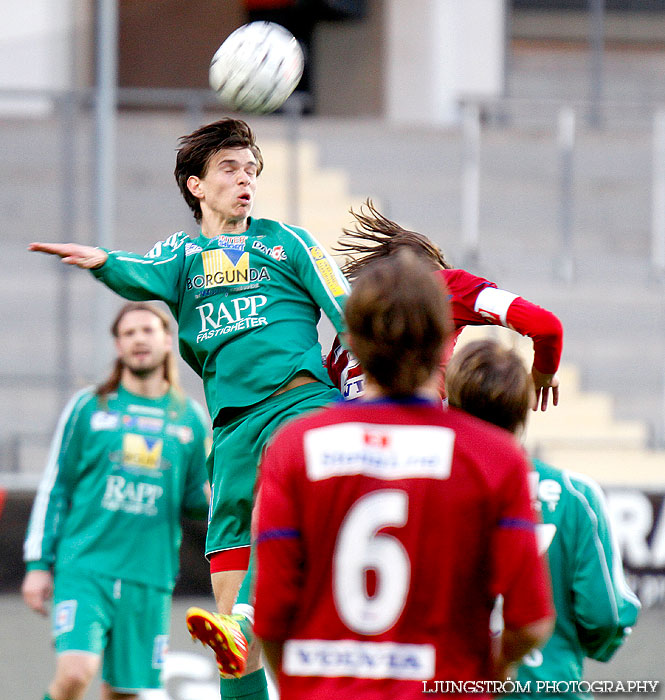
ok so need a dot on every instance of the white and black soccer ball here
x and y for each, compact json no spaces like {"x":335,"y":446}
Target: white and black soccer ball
{"x":256,"y":68}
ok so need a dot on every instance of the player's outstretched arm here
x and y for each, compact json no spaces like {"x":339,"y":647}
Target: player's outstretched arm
{"x":543,"y":384}
{"x":84,"y":256}
{"x":37,"y":590}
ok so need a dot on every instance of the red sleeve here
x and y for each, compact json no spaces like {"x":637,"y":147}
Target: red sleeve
{"x":278,"y":544}
{"x":477,"y":301}
{"x":543,"y":327}
{"x":519,"y":572}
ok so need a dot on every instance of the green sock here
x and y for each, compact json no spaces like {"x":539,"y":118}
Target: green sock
{"x":47,"y":697}
{"x":253,"y":686}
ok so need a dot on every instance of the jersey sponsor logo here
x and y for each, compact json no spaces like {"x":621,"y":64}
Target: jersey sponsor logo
{"x":353,"y":387}
{"x":192,"y":249}
{"x":141,"y":451}
{"x":159,"y":649}
{"x":104,"y":420}
{"x":355,"y":659}
{"x":375,"y":437}
{"x":352,"y":379}
{"x":146,"y":424}
{"x":549,"y":494}
{"x":183,"y":432}
{"x":128,"y":496}
{"x":276,"y":253}
{"x":232,"y":242}
{"x":326,"y":271}
{"x":545,"y":493}
{"x":391,"y":452}
{"x":64,"y":616}
{"x":544,"y":535}
{"x":226,"y":268}
{"x":234,"y":315}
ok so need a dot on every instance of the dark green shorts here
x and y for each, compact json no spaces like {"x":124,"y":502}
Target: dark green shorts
{"x":126,"y":622}
{"x":235,"y":455}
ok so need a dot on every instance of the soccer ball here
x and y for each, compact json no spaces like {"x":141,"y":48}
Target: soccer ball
{"x":256,"y":68}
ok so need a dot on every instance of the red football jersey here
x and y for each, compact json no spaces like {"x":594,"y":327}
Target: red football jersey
{"x":474,"y":301}
{"x":384,"y":532}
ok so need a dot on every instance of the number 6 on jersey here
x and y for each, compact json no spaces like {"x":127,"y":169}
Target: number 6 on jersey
{"x":359,"y":548}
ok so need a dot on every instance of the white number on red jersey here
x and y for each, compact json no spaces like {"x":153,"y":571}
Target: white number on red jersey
{"x":360,"y":547}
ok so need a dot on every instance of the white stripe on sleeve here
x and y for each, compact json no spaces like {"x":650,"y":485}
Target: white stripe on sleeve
{"x":494,"y":303}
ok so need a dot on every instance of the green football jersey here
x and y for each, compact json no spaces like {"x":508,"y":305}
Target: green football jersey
{"x":595,"y":608}
{"x":122,"y":471}
{"x":247,"y":305}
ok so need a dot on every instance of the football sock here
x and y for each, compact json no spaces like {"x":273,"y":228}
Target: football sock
{"x":47,"y":697}
{"x":253,"y":686}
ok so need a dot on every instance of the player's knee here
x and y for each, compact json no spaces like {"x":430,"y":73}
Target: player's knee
{"x":72,"y":678}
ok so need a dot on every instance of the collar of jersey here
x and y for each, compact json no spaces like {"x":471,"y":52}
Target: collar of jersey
{"x":401,"y":401}
{"x":203,"y":241}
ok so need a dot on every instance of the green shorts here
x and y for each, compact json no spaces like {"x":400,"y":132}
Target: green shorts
{"x":126,"y":622}
{"x":236,"y":452}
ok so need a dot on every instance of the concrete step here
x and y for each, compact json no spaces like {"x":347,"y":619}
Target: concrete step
{"x":611,"y":467}
{"x":581,"y":420}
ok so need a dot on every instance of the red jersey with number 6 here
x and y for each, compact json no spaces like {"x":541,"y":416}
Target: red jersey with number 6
{"x":384,"y":532}
{"x":474,"y":301}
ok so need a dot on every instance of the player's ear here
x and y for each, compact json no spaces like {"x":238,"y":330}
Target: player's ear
{"x":194,"y":186}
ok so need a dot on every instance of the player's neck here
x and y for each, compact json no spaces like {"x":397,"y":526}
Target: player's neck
{"x":429,"y":390}
{"x":151,"y":386}
{"x":213,"y":226}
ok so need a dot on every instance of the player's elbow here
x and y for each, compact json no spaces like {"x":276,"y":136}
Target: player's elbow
{"x":552,"y":327}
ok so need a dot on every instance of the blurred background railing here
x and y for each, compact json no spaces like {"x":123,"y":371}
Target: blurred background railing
{"x":525,"y":192}
{"x":526,"y":137}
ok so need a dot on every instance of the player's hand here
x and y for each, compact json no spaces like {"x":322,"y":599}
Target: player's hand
{"x":37,"y":590}
{"x":84,"y":256}
{"x":543,"y":384}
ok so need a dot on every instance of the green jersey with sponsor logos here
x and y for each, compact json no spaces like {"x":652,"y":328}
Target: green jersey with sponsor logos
{"x":122,"y":471}
{"x":247,"y":305}
{"x":595,"y":608}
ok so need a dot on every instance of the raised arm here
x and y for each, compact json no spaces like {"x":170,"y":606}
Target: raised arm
{"x":84,"y":256}
{"x":546,"y":331}
{"x":147,"y":277}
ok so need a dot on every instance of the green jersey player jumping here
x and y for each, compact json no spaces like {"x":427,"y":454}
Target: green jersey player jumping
{"x":247,"y":294}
